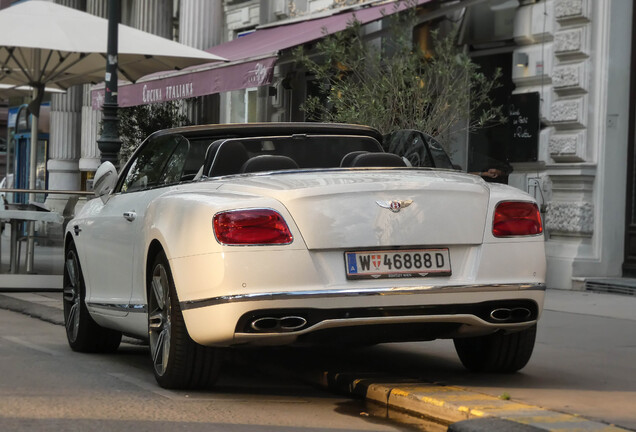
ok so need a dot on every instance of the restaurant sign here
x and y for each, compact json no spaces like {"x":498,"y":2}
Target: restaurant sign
{"x":216,"y":79}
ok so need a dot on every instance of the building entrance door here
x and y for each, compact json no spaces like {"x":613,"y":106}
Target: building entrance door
{"x":22,"y":167}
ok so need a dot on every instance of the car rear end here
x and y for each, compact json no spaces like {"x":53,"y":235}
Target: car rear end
{"x":362,"y":256}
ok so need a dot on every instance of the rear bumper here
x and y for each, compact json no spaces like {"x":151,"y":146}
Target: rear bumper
{"x":346,"y":293}
{"x":381,"y":314}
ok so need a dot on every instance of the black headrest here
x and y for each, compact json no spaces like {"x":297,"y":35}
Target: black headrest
{"x":268,"y":163}
{"x":210,"y":152}
{"x":349,"y":157}
{"x":228,"y":159}
{"x":378,"y":160}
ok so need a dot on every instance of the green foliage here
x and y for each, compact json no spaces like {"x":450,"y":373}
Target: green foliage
{"x":137,"y":122}
{"x":395,"y":85}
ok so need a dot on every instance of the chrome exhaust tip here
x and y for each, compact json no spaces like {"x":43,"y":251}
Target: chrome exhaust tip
{"x":521,"y":314}
{"x":517,"y":314}
{"x":292,"y":323}
{"x":265,"y":324}
{"x":278,"y":325}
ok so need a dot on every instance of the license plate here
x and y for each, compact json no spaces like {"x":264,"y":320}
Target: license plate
{"x":398,"y":263}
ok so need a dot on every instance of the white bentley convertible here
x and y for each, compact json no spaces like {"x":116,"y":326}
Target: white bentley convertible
{"x":275,"y":234}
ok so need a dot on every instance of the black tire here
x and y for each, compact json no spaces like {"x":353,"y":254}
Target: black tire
{"x":82,"y":332}
{"x":178,"y":362}
{"x":498,"y":352}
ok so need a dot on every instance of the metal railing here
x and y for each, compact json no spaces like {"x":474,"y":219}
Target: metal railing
{"x":67,"y":214}
{"x":47,"y":191}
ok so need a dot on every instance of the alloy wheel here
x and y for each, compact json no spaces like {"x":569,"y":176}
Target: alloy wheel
{"x":72,"y":295}
{"x":159,"y":324}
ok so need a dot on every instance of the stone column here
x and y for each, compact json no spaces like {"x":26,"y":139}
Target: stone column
{"x":90,"y":156}
{"x":200,"y":23}
{"x":571,"y":214}
{"x":91,"y":119}
{"x":64,"y":144}
{"x":64,"y":137}
{"x":75,"y":4}
{"x":153,"y":16}
{"x":200,"y":26}
{"x":97,"y":7}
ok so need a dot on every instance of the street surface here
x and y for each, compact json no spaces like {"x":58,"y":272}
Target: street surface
{"x":584,"y":360}
{"x":44,"y":386}
{"x":584,"y":363}
{"x":581,"y":365}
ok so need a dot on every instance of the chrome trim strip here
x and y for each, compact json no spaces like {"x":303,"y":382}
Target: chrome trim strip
{"x":339,"y":293}
{"x":136,"y":308}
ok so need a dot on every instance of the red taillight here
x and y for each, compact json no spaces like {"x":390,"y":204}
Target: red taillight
{"x":251,"y":227}
{"x":516,"y":218}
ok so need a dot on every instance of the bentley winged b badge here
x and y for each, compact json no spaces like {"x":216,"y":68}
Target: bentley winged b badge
{"x":395,"y":206}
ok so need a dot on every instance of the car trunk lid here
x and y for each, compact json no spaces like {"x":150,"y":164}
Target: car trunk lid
{"x":377,"y":208}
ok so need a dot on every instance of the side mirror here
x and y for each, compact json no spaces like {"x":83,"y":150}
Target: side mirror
{"x":105,"y":181}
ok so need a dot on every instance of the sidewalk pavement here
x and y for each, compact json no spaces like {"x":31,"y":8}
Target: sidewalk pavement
{"x":463,"y":410}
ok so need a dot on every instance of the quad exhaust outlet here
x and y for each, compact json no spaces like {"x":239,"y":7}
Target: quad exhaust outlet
{"x":278,"y":325}
{"x":517,"y":314}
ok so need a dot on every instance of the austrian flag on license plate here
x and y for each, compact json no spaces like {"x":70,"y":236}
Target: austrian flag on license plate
{"x":398,"y":263}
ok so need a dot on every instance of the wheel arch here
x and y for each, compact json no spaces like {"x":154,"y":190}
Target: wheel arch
{"x":154,"y":248}
{"x":68,"y":239}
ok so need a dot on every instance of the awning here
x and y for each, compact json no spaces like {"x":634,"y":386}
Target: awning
{"x":252,"y":59}
{"x":188,"y":83}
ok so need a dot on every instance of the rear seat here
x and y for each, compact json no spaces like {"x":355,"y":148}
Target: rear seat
{"x":268,"y":163}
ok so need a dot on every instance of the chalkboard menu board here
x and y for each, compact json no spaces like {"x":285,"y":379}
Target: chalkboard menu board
{"x":524,"y":126}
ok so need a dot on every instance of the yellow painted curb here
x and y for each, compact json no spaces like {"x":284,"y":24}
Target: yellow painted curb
{"x":448,"y":404}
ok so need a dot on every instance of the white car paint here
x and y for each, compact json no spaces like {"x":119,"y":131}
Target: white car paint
{"x":180,"y":219}
{"x":223,"y":290}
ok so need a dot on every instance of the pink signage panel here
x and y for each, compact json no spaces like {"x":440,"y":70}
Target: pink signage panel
{"x":216,"y":79}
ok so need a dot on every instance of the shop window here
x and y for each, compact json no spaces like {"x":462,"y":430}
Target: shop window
{"x":251,"y":102}
{"x":490,"y":22}
{"x":489,"y":147}
{"x":244,"y":105}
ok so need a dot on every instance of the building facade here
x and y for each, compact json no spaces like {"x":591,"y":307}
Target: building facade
{"x":579,"y":59}
{"x":570,"y":63}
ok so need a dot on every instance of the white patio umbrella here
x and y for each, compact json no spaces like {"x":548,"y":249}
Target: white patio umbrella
{"x":44,"y":44}
{"x":47,"y":45}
